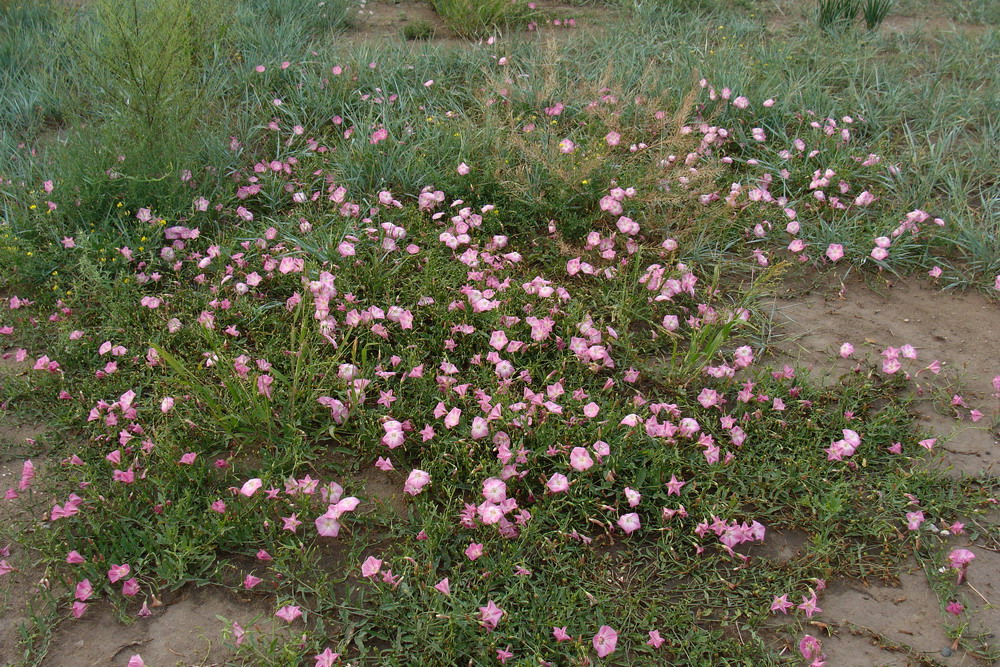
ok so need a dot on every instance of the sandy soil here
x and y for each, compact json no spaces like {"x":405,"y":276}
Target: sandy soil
{"x":961,"y":330}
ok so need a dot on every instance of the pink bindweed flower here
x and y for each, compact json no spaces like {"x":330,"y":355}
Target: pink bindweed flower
{"x":416,"y":481}
{"x":781,"y":603}
{"x":443,"y":586}
{"x":326,"y":658}
{"x":371,"y":567}
{"x":251,"y":486}
{"x":289,"y":613}
{"x":809,"y":605}
{"x":558,"y":483}
{"x":118,"y":571}
{"x":810,"y":647}
{"x":83,"y":590}
{"x":131,"y":587}
{"x":490,"y":615}
{"x":474,"y":551}
{"x":605,"y":641}
{"x":328,"y":523}
{"x":629,"y":523}
{"x":561,"y":634}
{"x":959,"y":559}
{"x":655,"y":640}
{"x":580,"y":460}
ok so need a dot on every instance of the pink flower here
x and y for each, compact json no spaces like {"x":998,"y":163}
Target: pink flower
{"x":370,"y":567}
{"x":605,"y":641}
{"x":474,"y":551}
{"x":834,"y":252}
{"x":580,"y":460}
{"x":130,"y":587}
{"x":781,"y":603}
{"x":136,"y":661}
{"x":416,"y":481}
{"x":328,"y":524}
{"x":809,"y":605}
{"x":959,"y":559}
{"x":954,"y":607}
{"x":443,"y":586}
{"x":251,"y":486}
{"x":864,"y":199}
{"x":566,"y":146}
{"x":561,"y":634}
{"x":490,"y":615}
{"x":188,"y":458}
{"x":83,"y":590}
{"x":558,"y":483}
{"x":250,"y":581}
{"x":613,"y":138}
{"x":674,"y":486}
{"x":846,"y":350}
{"x":289,"y":613}
{"x":326,"y":658}
{"x":810,"y":647}
{"x":118,"y":571}
{"x":463,"y":169}
{"x":629,"y":523}
{"x":655,"y":640}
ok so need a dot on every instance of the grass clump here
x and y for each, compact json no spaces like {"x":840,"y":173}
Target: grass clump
{"x":476,"y":19}
{"x":418,"y":30}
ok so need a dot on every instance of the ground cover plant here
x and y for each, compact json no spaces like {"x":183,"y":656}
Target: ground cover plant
{"x":459,"y":351}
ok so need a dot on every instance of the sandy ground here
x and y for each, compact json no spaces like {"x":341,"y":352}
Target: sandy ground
{"x":961,"y":330}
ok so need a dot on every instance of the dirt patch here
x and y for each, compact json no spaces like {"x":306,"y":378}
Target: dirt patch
{"x":871,"y":620}
{"x":958,"y":329}
{"x":780,"y":547}
{"x":385,"y":21}
{"x":929,"y":25}
{"x":185,"y":631}
{"x":385,"y":489}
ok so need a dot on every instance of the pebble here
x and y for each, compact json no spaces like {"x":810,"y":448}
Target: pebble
{"x":946,"y":652}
